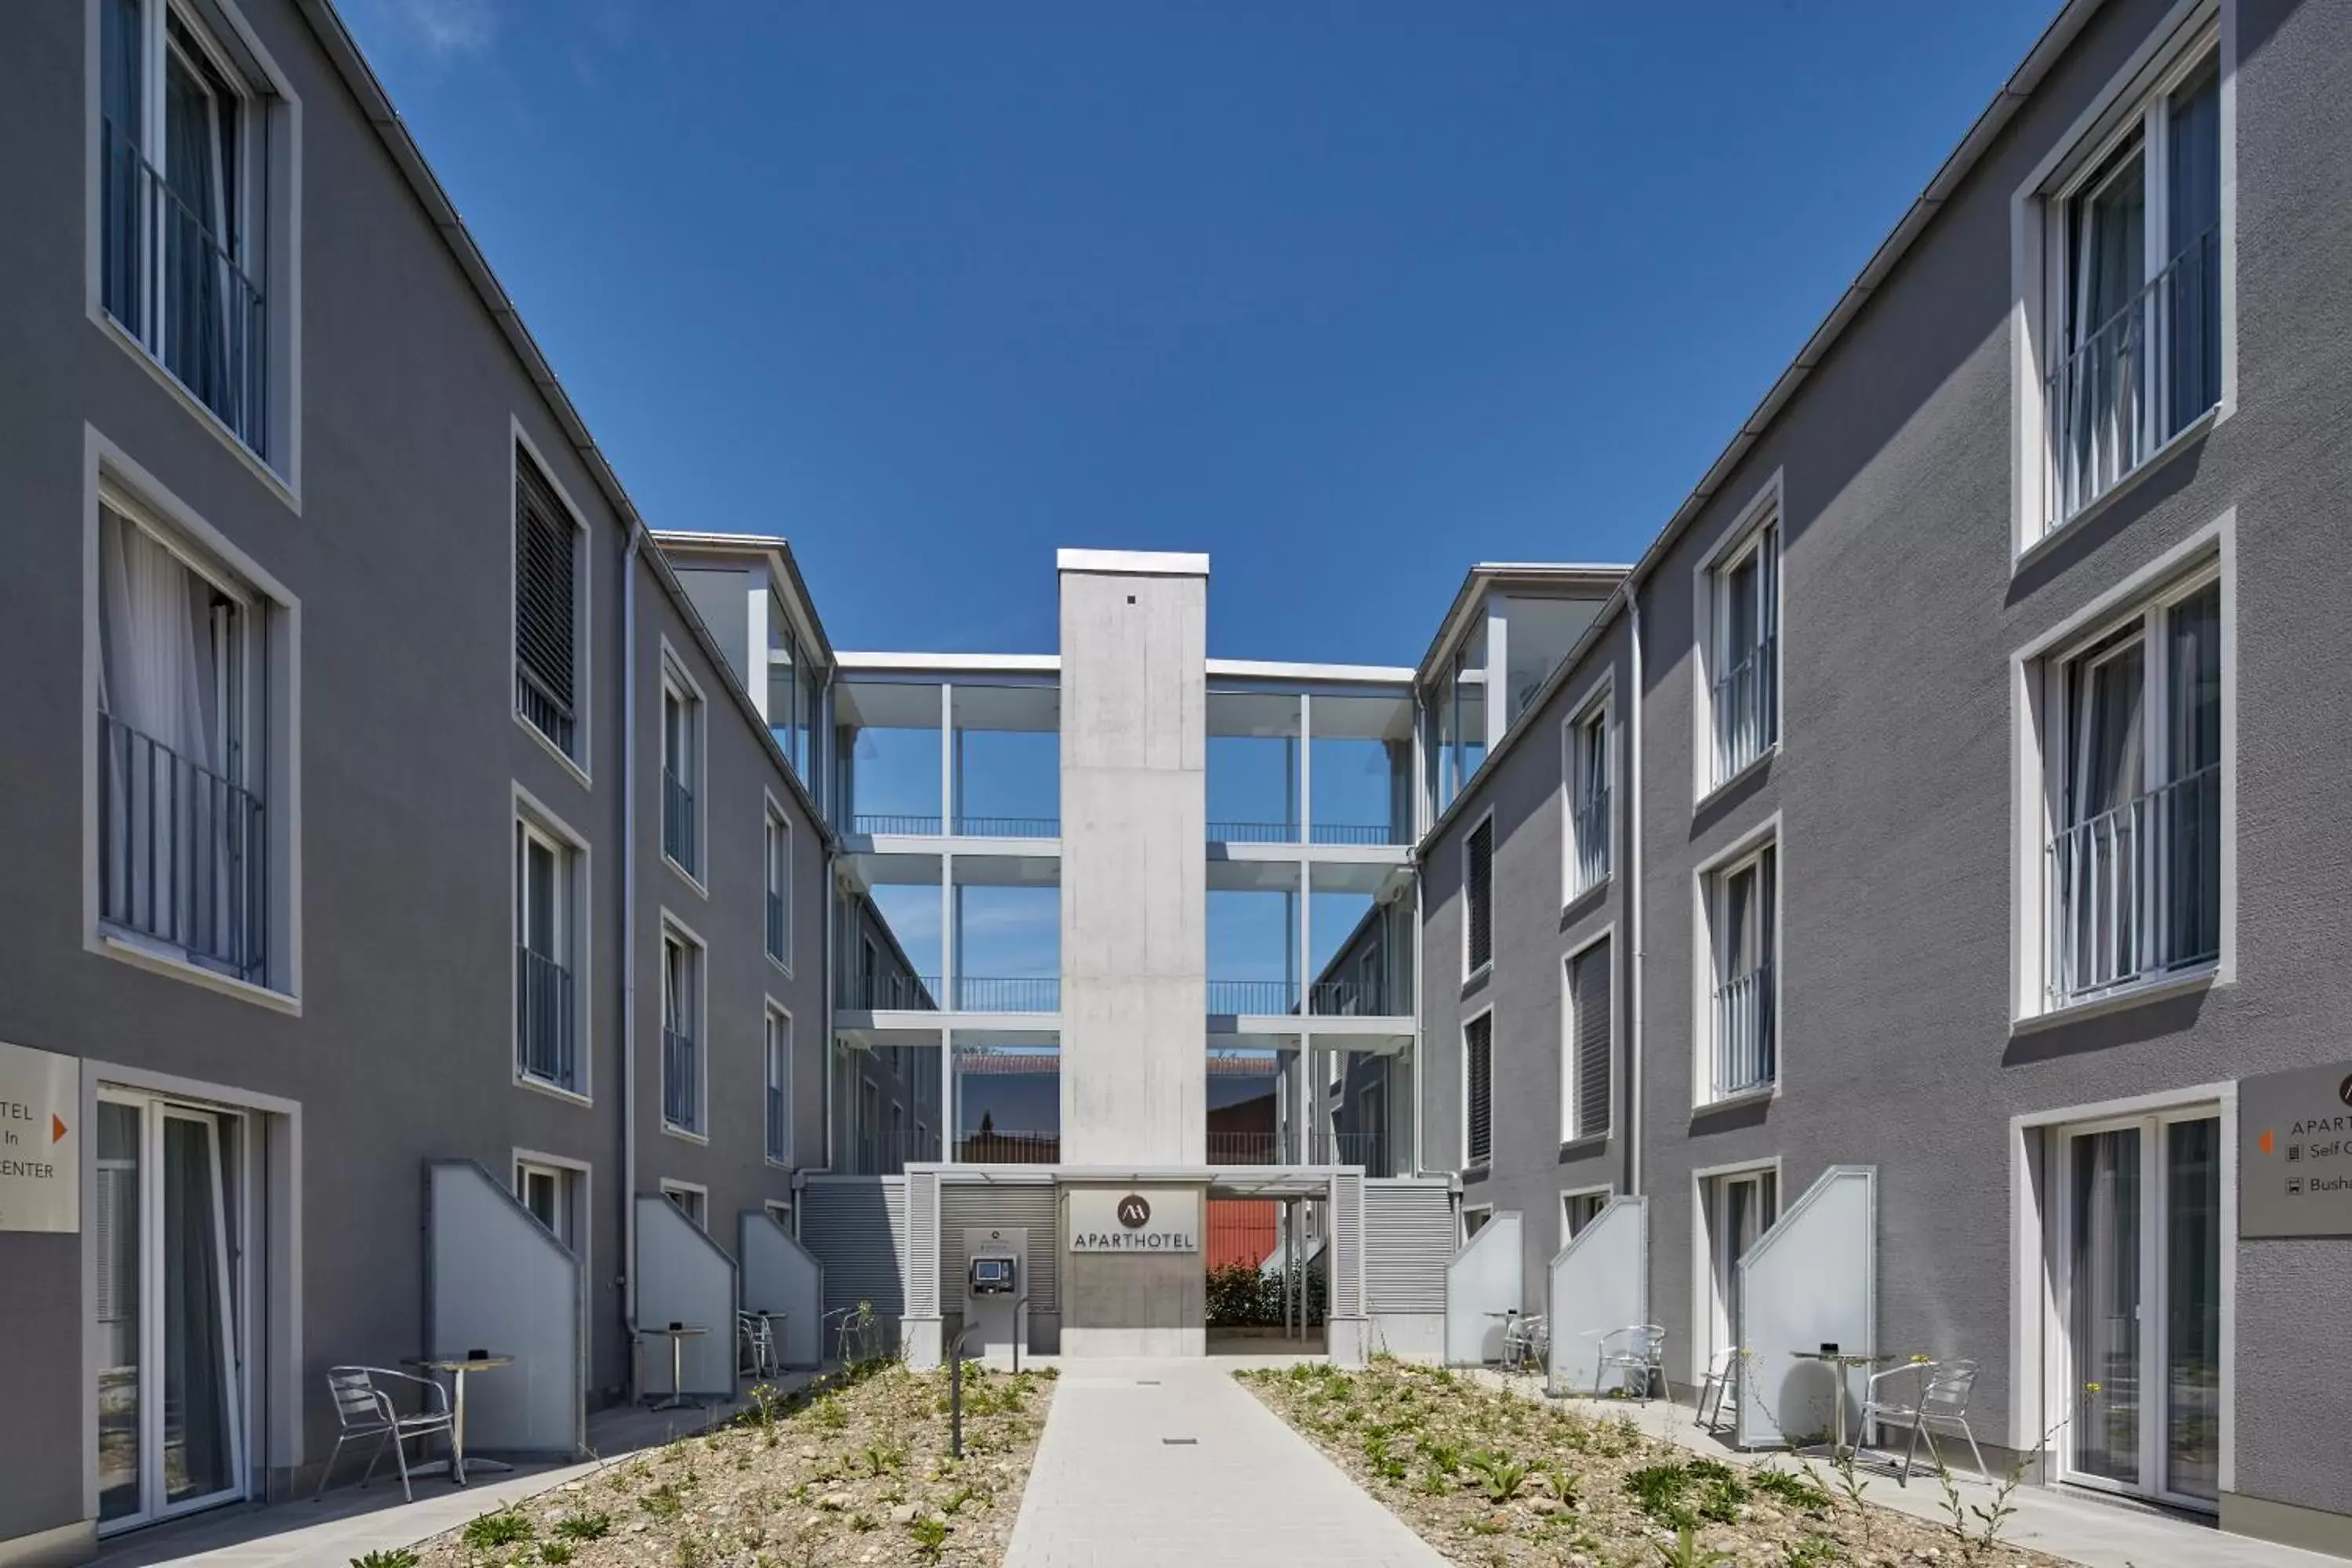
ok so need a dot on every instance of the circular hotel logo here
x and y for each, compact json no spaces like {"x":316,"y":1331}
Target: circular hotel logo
{"x":1133,"y":1211}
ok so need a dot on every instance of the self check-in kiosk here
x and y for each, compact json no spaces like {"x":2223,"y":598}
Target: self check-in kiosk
{"x":995,"y":1291}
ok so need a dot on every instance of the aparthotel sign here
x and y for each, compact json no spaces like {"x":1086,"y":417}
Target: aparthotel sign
{"x":2295,"y":1152}
{"x":40,"y":1148}
{"x":1135,"y":1219}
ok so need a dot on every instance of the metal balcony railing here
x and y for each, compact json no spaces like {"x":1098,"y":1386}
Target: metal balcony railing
{"x":1369,"y":1150}
{"x":991,"y":993}
{"x":546,"y":1024}
{"x":182,"y":853}
{"x":2136,"y":890}
{"x":1353,"y":999}
{"x":1589,"y":863}
{"x":873,"y":822}
{"x":1253,"y":996}
{"x":776,"y":925}
{"x":1008,"y":827}
{"x":681,"y":1070}
{"x":892,"y":992}
{"x":175,"y":284}
{"x":1252,"y":833}
{"x":1745,"y":1050}
{"x":544,"y":712}
{"x":677,"y":819}
{"x":1747,"y":709}
{"x":1358,"y":833}
{"x":779,"y":1135}
{"x":885,"y":1153}
{"x":2138,"y":379}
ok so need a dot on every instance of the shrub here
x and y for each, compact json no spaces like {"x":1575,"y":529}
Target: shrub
{"x":585,"y":1526}
{"x":506,"y":1528}
{"x":1242,"y":1297}
{"x":400,"y":1558}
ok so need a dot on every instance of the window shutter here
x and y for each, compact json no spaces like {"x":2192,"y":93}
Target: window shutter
{"x":546,"y":565}
{"x":1478,"y":1041}
{"x":1479,"y":875}
{"x":1588,"y":987}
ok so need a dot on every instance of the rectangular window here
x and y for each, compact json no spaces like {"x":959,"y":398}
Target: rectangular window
{"x":2133,"y":274}
{"x":779,"y":1086}
{"x":681,"y":772}
{"x":1478,"y":897}
{"x":681,"y":1033}
{"x":1584,"y":773}
{"x":691,"y":1201}
{"x":547,"y":936}
{"x":185,"y":838}
{"x":2132,"y":870}
{"x":1586,"y":1073}
{"x":186,"y":124}
{"x":1744,"y":695}
{"x":546,"y":1192}
{"x":1578,"y":1210}
{"x":1479,"y":1092}
{"x":550,"y":570}
{"x":779,"y":859}
{"x":1742,"y":910}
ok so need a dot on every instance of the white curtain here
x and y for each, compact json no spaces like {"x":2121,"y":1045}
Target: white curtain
{"x":156,"y":667}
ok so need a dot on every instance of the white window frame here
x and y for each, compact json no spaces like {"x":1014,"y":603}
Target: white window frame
{"x":677,"y":683}
{"x":1486,"y":1014}
{"x":1707,"y":882}
{"x":2130,"y":104}
{"x":672,"y":929}
{"x":1469,"y":1231}
{"x":532,"y":817}
{"x":572,"y":1192}
{"x":1764,"y":511}
{"x":1710,"y":1311}
{"x":1485,"y":821}
{"x":1597,"y":705}
{"x":2208,"y":556}
{"x":699,"y":1213}
{"x":577,"y":762}
{"x":1569,"y":1195}
{"x":113,"y":482}
{"x":778,"y":1074}
{"x":1569,"y":1074}
{"x":778,"y":879}
{"x":273,"y":170}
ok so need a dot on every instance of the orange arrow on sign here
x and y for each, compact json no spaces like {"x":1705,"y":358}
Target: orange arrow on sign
{"x":57,"y":1127}
{"x":2264,"y":1142}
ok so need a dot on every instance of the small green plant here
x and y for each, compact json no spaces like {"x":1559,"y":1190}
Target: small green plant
{"x":1788,"y":1487}
{"x":863,"y":1522}
{"x":931,"y":1533}
{"x":1657,"y":1491}
{"x":507,"y":1526}
{"x":690,"y":1553}
{"x":400,"y":1557}
{"x":1811,"y":1552}
{"x":1501,"y":1474}
{"x":556,"y":1551}
{"x":830,"y":1413}
{"x":1686,"y":1552}
{"x":883,"y":1458}
{"x":585,"y":1526}
{"x":663,"y":1501}
{"x":1563,"y":1486}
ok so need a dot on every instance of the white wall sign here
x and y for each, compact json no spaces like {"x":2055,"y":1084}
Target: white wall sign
{"x":40,"y":1140}
{"x":1135,"y":1219}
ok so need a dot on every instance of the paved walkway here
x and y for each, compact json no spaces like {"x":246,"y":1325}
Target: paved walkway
{"x":2062,"y":1521}
{"x":1237,"y":1488}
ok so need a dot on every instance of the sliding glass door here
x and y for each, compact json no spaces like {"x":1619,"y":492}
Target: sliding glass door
{"x":2141,"y":1255}
{"x":1739,"y":1209}
{"x":165,"y":1310}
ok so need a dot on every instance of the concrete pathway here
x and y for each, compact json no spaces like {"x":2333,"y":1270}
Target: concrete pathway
{"x":2062,"y":1520}
{"x":1148,"y":1463}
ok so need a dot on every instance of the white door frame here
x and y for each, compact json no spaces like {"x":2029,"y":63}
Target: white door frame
{"x":1710,"y":1307}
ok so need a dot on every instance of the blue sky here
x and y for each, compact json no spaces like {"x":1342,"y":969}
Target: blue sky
{"x":1346,"y":294}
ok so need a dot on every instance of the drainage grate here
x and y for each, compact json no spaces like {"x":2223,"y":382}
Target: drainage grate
{"x":1147,"y":1383}
{"x":1179,"y":1442}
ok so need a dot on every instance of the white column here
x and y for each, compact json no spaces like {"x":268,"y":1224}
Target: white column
{"x":1499,"y":672}
{"x":947,"y":758}
{"x":951,"y":1114}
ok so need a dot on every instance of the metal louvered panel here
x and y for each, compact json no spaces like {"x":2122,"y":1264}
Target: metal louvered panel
{"x":857,"y":1226}
{"x":1409,"y":1232}
{"x":1479,"y":892}
{"x":1589,"y":1001}
{"x":994,"y":1205}
{"x":546,"y":589}
{"x":1478,"y":1087}
{"x":922,"y":1259}
{"x":1347,"y":1246}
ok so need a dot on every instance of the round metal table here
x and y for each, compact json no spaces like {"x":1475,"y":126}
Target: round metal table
{"x":455,"y":1368}
{"x":676,"y":1334}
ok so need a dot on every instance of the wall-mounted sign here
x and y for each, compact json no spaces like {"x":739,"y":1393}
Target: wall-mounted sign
{"x":40,"y":1140}
{"x":1135,"y":1219}
{"x":2295,"y":1152}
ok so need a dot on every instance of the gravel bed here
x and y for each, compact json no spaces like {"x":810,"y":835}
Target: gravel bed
{"x":859,"y":1473}
{"x":1490,"y":1479}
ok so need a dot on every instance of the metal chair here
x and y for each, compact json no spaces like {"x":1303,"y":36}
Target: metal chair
{"x":855,"y":1330}
{"x":1523,"y":1341}
{"x":1715,"y":1384}
{"x":1639,"y":1350}
{"x":1943,"y":1398}
{"x":367,"y":1411}
{"x":755,"y":1344}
